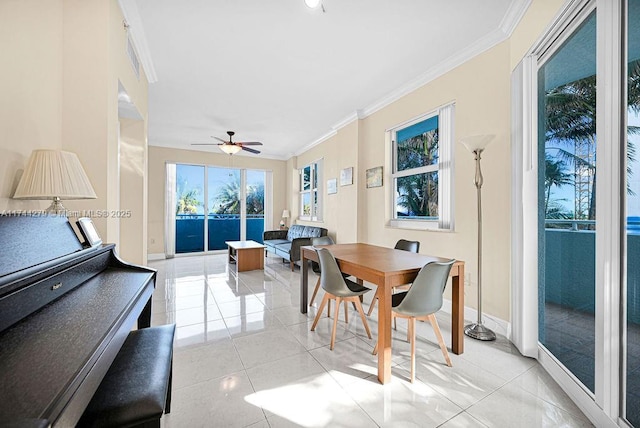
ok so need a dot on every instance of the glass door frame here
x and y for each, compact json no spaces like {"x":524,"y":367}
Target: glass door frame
{"x":268,"y":204}
{"x":604,"y":407}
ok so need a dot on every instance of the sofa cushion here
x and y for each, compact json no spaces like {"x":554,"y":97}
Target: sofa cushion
{"x":275,"y":242}
{"x":285,"y":247}
{"x":300,"y":231}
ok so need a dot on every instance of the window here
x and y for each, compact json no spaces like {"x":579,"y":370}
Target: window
{"x":310,"y":192}
{"x":422,"y":171}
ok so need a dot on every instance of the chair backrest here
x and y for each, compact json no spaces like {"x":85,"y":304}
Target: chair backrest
{"x":425,"y":295}
{"x":322,"y":240}
{"x":403,"y":244}
{"x":331,"y":279}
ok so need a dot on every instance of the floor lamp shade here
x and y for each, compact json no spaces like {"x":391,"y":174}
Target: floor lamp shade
{"x":54,"y":175}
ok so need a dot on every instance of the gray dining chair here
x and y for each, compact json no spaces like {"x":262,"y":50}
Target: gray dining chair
{"x":402,"y":244}
{"x":337,"y":287}
{"x":324,"y":240}
{"x":421,"y":302}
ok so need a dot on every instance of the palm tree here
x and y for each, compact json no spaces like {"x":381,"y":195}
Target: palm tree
{"x":418,"y":193}
{"x":228,"y":198}
{"x":188,"y":202}
{"x":570,"y":120}
{"x":555,"y":175}
{"x":227,"y":201}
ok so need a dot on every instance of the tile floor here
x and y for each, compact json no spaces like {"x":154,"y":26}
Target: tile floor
{"x":244,"y":357}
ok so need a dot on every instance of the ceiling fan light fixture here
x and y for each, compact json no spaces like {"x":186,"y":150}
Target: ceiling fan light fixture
{"x":312,"y":3}
{"x":230,"y":149}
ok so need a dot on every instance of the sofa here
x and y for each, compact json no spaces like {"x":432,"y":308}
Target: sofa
{"x":287,"y":243}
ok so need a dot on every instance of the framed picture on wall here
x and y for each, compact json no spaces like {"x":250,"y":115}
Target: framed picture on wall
{"x":346,"y":176}
{"x":374,"y":177}
{"x":332,"y":186}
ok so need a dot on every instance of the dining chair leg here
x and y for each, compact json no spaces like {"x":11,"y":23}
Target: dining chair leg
{"x":373,"y":302}
{"x":443,"y":347}
{"x":324,"y":302}
{"x":375,"y":349}
{"x":335,"y":322}
{"x":329,"y":309}
{"x":315,"y":291}
{"x":364,"y":319}
{"x":346,"y":312}
{"x":412,"y":324}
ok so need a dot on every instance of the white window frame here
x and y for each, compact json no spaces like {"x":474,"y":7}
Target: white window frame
{"x":444,"y":167}
{"x":315,"y":175}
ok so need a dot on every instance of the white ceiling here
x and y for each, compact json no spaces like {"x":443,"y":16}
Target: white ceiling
{"x":281,"y":73}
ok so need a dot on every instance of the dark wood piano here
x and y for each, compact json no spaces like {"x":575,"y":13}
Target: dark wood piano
{"x":65,"y":311}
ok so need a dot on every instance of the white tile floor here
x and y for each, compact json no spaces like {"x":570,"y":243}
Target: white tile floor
{"x":244,"y":357}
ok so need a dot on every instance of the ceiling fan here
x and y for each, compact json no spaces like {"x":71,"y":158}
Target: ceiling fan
{"x":230,"y":147}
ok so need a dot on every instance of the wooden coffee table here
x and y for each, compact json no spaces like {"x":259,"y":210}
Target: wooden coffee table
{"x":247,"y":255}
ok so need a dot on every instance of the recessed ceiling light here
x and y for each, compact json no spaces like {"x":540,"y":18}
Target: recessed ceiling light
{"x":312,"y":3}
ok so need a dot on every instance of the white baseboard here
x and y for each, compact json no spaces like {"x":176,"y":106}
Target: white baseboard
{"x":156,"y":256}
{"x":498,"y":325}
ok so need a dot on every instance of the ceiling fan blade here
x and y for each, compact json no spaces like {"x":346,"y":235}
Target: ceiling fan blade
{"x":205,"y":144}
{"x":251,"y":150}
{"x":250,"y":143}
{"x":220,"y":139}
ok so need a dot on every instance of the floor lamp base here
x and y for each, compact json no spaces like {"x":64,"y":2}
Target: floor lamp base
{"x":479,"y":331}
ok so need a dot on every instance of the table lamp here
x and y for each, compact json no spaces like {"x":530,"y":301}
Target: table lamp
{"x":54,"y":175}
{"x":285,"y":216}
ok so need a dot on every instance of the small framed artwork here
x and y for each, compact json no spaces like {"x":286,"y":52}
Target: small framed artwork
{"x":332,"y":186}
{"x":346,"y":176}
{"x":89,"y":232}
{"x":374,"y":177}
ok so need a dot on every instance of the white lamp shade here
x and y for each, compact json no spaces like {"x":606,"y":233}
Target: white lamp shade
{"x":312,"y":3}
{"x":54,"y":174}
{"x":285,"y":214}
{"x":477,"y":142}
{"x":230,"y":149}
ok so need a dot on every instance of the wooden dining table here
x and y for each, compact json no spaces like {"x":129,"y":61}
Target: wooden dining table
{"x":387,"y":268}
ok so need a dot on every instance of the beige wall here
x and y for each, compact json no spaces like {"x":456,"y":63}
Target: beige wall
{"x":159,"y":156}
{"x":31,"y":88}
{"x":480,"y":89}
{"x":62,"y":61}
{"x":133,"y":184}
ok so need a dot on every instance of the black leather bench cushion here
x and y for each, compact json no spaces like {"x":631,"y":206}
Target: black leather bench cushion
{"x":134,"y":389}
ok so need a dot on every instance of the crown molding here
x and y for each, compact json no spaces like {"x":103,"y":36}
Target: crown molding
{"x":512,"y":17}
{"x":131,"y":15}
{"x":315,"y":142}
{"x":514,"y":14}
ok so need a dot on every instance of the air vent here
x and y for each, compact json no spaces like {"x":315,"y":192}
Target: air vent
{"x":133,"y":57}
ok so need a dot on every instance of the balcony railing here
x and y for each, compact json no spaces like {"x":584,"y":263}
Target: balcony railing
{"x":221,"y":227}
{"x":570,"y":264}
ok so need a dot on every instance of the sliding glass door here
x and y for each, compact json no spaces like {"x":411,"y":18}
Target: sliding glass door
{"x":579,"y":173}
{"x":190,"y":207}
{"x":632,"y":193}
{"x":233,"y":200}
{"x":224,"y":207}
{"x":567,"y":149}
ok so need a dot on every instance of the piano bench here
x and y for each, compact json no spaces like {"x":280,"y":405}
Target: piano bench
{"x":137,"y":388}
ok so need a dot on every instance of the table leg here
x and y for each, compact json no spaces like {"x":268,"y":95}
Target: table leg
{"x":457,"y":312}
{"x":304,"y":284}
{"x":384,"y":334}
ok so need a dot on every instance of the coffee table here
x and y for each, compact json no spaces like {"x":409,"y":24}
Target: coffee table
{"x":247,"y":255}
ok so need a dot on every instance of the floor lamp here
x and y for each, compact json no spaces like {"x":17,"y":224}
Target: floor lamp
{"x":476,"y":145}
